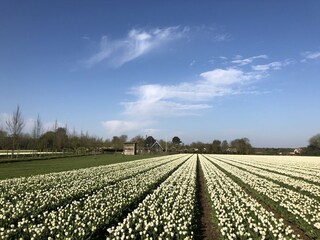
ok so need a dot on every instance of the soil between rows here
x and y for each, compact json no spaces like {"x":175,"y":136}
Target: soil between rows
{"x":205,"y":227}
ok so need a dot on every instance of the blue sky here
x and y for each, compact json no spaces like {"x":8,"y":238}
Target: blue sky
{"x":200,"y":70}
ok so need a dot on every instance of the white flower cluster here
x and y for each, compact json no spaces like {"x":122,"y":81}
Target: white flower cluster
{"x":303,"y":207}
{"x":114,"y":188}
{"x":167,"y":213}
{"x":21,"y":197}
{"x":298,"y":183}
{"x":239,"y":215}
{"x":300,"y":167}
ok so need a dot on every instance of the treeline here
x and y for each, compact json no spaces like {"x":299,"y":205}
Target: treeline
{"x":236,"y":146}
{"x":58,"y":140}
{"x":61,"y":139}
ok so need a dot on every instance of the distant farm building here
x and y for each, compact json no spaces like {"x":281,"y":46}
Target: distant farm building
{"x":129,"y":148}
{"x":155,"y":148}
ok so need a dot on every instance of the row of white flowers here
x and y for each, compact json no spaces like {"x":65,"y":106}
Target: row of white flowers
{"x":302,"y":167}
{"x":299,"y":184}
{"x":167,"y":213}
{"x":239,"y":215}
{"x":302,"y":206}
{"x":21,"y":197}
{"x":78,"y":219}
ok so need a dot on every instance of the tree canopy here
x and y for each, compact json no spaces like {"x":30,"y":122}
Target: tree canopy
{"x":149,"y":141}
{"x":176,"y":140}
{"x":242,"y":145}
{"x":315,"y":141}
{"x":314,"y":146}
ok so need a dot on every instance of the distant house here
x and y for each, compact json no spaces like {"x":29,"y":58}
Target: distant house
{"x":296,"y":151}
{"x":232,"y":150}
{"x":130,"y":148}
{"x":153,"y":147}
{"x":156,"y":147}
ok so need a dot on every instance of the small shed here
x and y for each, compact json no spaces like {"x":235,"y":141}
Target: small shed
{"x":129,"y":148}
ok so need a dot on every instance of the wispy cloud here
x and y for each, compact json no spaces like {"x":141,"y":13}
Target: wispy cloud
{"x":273,"y":65}
{"x":310,"y":56}
{"x":117,"y":127}
{"x":245,"y":61}
{"x":213,"y":32}
{"x":222,"y":37}
{"x":192,"y":63}
{"x":137,"y":43}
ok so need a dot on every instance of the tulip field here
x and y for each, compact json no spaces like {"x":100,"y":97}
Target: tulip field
{"x":249,"y":197}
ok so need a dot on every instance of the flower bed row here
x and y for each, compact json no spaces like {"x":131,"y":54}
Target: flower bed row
{"x":299,"y":167}
{"x":297,"y":184}
{"x":297,"y":207}
{"x":21,"y":197}
{"x":167,"y":213}
{"x":239,"y":215}
{"x":83,"y":217}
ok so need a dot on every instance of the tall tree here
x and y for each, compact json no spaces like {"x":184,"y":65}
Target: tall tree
{"x":216,"y":146}
{"x":224,"y":146}
{"x":47,"y":140}
{"x":313,"y":148}
{"x":242,"y":145}
{"x":37,"y":128}
{"x":139,"y":140}
{"x":315,"y":141}
{"x":15,"y":124}
{"x":3,"y":138}
{"x":176,"y":140}
{"x":61,"y":138}
{"x":118,"y":141}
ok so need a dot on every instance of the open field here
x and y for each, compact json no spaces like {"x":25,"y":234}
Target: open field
{"x":247,"y":197}
{"x":30,"y":168}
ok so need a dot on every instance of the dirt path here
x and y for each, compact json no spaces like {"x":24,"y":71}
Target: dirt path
{"x":205,"y":228}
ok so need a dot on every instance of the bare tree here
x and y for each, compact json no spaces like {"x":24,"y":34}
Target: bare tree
{"x":37,"y":128}
{"x":15,"y":124}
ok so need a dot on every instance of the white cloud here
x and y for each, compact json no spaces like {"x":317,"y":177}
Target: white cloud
{"x":241,"y":62}
{"x":186,"y":98}
{"x":153,"y":102}
{"x":225,"y":77}
{"x":137,"y":43}
{"x":272,"y":66}
{"x":310,"y":56}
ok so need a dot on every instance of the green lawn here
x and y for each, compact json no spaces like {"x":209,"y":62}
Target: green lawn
{"x":29,"y":168}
